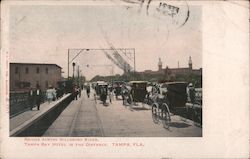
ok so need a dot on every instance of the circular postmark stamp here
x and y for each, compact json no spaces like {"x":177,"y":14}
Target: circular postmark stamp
{"x":174,"y":13}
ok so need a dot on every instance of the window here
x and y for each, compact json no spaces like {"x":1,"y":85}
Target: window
{"x":46,"y":84}
{"x":26,"y":70}
{"x":16,"y":70}
{"x":46,"y":70}
{"x":37,"y":70}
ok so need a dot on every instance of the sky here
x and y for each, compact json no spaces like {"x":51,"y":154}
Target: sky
{"x":45,"y":33}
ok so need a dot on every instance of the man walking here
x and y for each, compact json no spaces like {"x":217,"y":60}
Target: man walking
{"x":88,"y":90}
{"x":38,"y":97}
{"x":31,"y":98}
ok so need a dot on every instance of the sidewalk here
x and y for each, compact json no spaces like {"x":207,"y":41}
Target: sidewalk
{"x":79,"y":119}
{"x":26,"y":118}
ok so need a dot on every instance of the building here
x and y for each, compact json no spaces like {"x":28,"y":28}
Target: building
{"x":171,"y":73}
{"x":160,"y":70}
{"x":26,"y":75}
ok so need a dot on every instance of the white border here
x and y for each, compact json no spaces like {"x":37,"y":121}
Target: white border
{"x":225,"y":87}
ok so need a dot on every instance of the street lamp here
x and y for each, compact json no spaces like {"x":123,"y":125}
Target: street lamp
{"x":73,"y":64}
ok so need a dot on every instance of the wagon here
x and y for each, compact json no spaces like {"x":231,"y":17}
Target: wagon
{"x":98,"y":86}
{"x":101,"y":89}
{"x":135,"y":92}
{"x":169,"y":98}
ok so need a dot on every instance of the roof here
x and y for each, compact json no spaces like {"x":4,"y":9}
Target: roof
{"x":36,"y":64}
{"x":100,"y":82}
{"x":179,"y":69}
{"x":138,"y":82}
{"x":174,"y":83}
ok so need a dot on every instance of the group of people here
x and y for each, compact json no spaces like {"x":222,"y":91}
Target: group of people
{"x":77,"y":91}
{"x":36,"y":96}
{"x":51,"y":94}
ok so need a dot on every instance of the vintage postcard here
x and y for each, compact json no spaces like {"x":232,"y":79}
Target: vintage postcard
{"x":124,"y":79}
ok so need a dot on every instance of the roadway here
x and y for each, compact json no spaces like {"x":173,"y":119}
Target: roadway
{"x":86,"y":118}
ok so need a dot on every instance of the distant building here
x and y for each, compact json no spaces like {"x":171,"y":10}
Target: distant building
{"x":26,"y":75}
{"x":170,"y":73}
{"x":183,"y":71}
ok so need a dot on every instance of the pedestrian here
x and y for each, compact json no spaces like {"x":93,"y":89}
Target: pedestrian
{"x":54,"y":93}
{"x":58,"y":92}
{"x":38,"y":97}
{"x":75,"y":92}
{"x":103,"y":94}
{"x":50,"y":94}
{"x":88,"y":90}
{"x":123,"y":95}
{"x":31,"y":98}
{"x":190,"y":93}
{"x":110,"y":96}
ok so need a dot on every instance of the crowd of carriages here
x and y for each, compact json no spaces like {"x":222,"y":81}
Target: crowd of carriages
{"x":145,"y":92}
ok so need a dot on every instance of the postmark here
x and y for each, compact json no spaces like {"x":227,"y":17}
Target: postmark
{"x":173,"y":13}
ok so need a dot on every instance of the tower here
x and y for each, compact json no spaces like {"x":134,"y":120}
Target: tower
{"x":159,"y":65}
{"x":190,"y":64}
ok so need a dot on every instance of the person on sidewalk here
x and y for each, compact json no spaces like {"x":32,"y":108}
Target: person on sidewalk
{"x":38,"y":97}
{"x":50,"y":94}
{"x":75,"y":92}
{"x":31,"y":98}
{"x":54,"y":94}
{"x":88,"y":90}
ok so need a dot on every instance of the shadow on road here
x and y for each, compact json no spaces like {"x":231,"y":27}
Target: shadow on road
{"x":179,"y":124}
{"x":139,"y":108}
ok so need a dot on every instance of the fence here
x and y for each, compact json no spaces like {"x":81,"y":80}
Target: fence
{"x":22,"y":101}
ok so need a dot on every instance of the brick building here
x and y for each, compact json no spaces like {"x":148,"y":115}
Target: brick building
{"x":26,"y":75}
{"x":171,"y":73}
{"x":184,"y":70}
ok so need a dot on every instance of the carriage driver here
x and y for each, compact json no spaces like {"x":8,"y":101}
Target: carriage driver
{"x":190,"y":93}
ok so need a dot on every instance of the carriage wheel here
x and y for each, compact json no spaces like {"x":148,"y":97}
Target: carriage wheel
{"x":155,"y":114}
{"x":166,"y":119}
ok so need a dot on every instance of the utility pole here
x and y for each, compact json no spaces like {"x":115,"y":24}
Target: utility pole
{"x":78,"y":75}
{"x":68,"y":63}
{"x":134,"y":62}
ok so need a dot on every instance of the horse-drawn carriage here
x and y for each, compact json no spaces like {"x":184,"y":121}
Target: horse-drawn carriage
{"x":169,"y":97}
{"x":101,"y":89}
{"x":134,"y":92}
